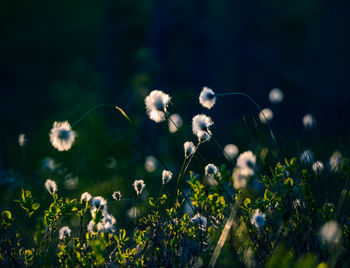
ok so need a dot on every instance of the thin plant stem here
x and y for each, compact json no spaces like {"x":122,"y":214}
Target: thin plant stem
{"x":90,"y":111}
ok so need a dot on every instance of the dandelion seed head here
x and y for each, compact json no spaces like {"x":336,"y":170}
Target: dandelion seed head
{"x":156,"y":105}
{"x":150,"y":163}
{"x":207,"y":98}
{"x":276,"y":96}
{"x":307,"y":157}
{"x":138,"y":185}
{"x":166,"y":176}
{"x":85,"y":196}
{"x":51,"y":186}
{"x":266,"y":115}
{"x":257,"y":219}
{"x":117,"y":195}
{"x":335,"y":161}
{"x":317,"y":167}
{"x":175,"y":122}
{"x":64,"y":232}
{"x":189,"y":148}
{"x":309,"y":121}
{"x":246,"y":163}
{"x":211,"y":170}
{"x":62,"y":136}
{"x":230,"y":152}
{"x":22,"y":140}
{"x":200,"y":123}
{"x":107,"y":225}
{"x":330,"y":232}
{"x":204,"y":136}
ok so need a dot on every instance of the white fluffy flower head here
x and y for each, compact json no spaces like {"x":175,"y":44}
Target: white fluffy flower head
{"x":330,"y":232}
{"x":201,"y":122}
{"x":150,"y":163}
{"x":258,"y":219}
{"x":230,"y":151}
{"x":246,"y":163}
{"x":22,"y":139}
{"x":98,"y":203}
{"x":207,"y":98}
{"x":335,"y":161}
{"x":200,"y":221}
{"x":85,"y":196}
{"x":309,"y":121}
{"x":307,"y":157}
{"x":265,"y":115}
{"x":166,"y":176}
{"x":62,"y":136}
{"x":139,"y":185}
{"x":317,"y":167}
{"x":117,"y":195}
{"x":189,"y":148}
{"x":51,"y":186}
{"x":64,"y":232}
{"x":276,"y":96}
{"x":211,"y":170}
{"x":156,"y":105}
{"x":175,"y":122}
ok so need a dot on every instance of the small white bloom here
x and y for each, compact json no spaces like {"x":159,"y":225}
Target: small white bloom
{"x":64,"y":232}
{"x":204,"y":136}
{"x":62,"y":136}
{"x":258,"y":219}
{"x":150,"y":163}
{"x":230,"y":151}
{"x":133,"y":213}
{"x":207,"y":98}
{"x":175,"y":122}
{"x":156,"y":105}
{"x":189,"y":148}
{"x":51,"y":186}
{"x":138,"y":186}
{"x":266,"y":115}
{"x":22,"y":139}
{"x":335,"y":161}
{"x":309,"y":121}
{"x":317,"y":167}
{"x":166,"y":176}
{"x":201,"y":123}
{"x":307,"y":157}
{"x":276,"y":96}
{"x":330,"y":232}
{"x":246,"y":163}
{"x":211,"y":170}
{"x":117,"y":195}
{"x":200,"y":221}
{"x":240,"y":178}
{"x":85,"y":196}
{"x":107,"y":224}
{"x":91,"y":227}
{"x":98,"y":203}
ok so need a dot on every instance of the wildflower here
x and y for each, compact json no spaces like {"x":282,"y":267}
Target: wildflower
{"x":317,"y":167}
{"x":189,"y":148}
{"x":107,"y":225}
{"x":166,"y":176}
{"x":246,"y":163}
{"x":211,"y":170}
{"x":207,"y":98}
{"x":330,"y":232}
{"x":51,"y":186}
{"x":240,"y":178}
{"x":49,"y":164}
{"x":309,"y":121}
{"x":138,"y":186}
{"x":156,"y":105}
{"x":335,"y":161}
{"x":175,"y":122}
{"x":200,"y":221}
{"x":117,"y":195}
{"x":150,"y":163}
{"x":98,"y":203}
{"x":86,"y":196}
{"x":200,"y":123}
{"x":276,"y":96}
{"x":230,"y":151}
{"x":265,"y":115}
{"x":22,"y":140}
{"x":307,"y":157}
{"x":258,"y":219}
{"x":62,"y":136}
{"x":91,"y":227}
{"x":64,"y":232}
{"x":204,"y":136}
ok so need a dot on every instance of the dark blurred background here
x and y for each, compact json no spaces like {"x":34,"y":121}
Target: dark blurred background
{"x":59,"y":58}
